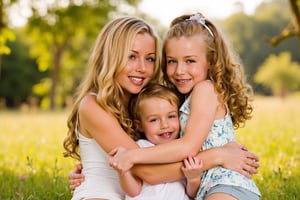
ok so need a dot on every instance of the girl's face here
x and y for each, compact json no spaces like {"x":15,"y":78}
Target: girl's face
{"x":159,"y":120}
{"x":186,"y":62}
{"x":140,"y":65}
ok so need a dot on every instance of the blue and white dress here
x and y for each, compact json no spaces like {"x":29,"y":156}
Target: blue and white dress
{"x":222,"y":132}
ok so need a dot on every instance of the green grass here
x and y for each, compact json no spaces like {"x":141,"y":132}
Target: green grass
{"x":274,"y":134}
{"x":32,"y":165}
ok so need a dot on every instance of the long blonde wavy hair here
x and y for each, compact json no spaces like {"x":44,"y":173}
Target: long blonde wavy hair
{"x":107,"y":60}
{"x":226,"y":70}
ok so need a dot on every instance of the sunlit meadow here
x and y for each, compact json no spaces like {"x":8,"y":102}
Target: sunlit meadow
{"x":32,"y":165}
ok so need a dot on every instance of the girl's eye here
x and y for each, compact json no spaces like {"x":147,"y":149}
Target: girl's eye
{"x":171,"y":61}
{"x":190,"y":61}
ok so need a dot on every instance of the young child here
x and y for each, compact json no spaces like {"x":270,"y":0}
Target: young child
{"x":155,"y":114}
{"x":199,"y":64}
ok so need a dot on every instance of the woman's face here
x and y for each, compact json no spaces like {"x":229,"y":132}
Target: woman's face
{"x":186,"y":62}
{"x":140,"y":65}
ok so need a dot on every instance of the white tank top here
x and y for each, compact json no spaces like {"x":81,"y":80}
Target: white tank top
{"x":101,"y":180}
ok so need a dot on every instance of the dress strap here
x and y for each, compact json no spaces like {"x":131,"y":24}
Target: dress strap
{"x":76,"y":125}
{"x":77,"y":117}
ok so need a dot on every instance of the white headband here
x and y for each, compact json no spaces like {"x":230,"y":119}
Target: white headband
{"x":197,"y":17}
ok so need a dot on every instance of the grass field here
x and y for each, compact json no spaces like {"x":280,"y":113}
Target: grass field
{"x":32,"y":165}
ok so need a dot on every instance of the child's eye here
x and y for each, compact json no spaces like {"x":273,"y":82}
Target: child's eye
{"x":154,"y":120}
{"x":172,"y":116}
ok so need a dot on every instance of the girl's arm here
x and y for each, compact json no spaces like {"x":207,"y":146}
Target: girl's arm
{"x":203,"y":111}
{"x":231,"y":156}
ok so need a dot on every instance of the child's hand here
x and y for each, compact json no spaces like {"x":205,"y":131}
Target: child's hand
{"x":193,"y":168}
{"x":120,"y":159}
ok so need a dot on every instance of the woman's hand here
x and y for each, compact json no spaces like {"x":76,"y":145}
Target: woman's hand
{"x":238,"y":158}
{"x":76,"y":178}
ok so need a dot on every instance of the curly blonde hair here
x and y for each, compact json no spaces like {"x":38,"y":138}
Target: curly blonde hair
{"x":226,"y":70}
{"x":107,"y":60}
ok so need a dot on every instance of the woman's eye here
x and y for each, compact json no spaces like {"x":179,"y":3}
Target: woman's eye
{"x":150,"y":59}
{"x":132,"y":57}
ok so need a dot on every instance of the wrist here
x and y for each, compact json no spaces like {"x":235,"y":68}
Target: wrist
{"x":219,"y":156}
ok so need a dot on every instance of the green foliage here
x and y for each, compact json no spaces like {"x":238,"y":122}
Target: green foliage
{"x":279,"y":74}
{"x":5,"y":36}
{"x":18,"y":73}
{"x":248,"y":35}
{"x":32,"y":165}
{"x":61,"y":37}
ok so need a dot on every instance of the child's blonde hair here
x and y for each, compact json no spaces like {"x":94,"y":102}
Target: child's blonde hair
{"x":107,"y":60}
{"x":226,"y":71}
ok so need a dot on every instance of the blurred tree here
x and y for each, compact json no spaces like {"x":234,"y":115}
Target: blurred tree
{"x":19,"y":73}
{"x":279,"y":74}
{"x":247,"y":35}
{"x":6,"y":34}
{"x":293,"y":27}
{"x":59,"y":31}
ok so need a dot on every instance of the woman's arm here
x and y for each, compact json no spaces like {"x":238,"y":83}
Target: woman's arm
{"x":97,"y":123}
{"x":231,"y":156}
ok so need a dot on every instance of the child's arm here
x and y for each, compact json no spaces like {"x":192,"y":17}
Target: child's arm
{"x":192,"y":169}
{"x":130,"y":184}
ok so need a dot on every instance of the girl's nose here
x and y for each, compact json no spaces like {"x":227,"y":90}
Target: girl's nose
{"x":179,"y":68}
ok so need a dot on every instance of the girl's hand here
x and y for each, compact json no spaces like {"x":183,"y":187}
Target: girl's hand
{"x":120,"y":159}
{"x":76,"y":178}
{"x":193,"y":168}
{"x":238,"y":158}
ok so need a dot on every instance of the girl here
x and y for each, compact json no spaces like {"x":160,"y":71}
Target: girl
{"x":155,"y":114}
{"x":198,"y":62}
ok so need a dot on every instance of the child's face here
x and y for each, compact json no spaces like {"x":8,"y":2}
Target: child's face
{"x":186,"y":62}
{"x":159,"y":120}
{"x":140,"y":65}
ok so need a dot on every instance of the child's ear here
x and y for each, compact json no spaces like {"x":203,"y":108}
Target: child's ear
{"x":138,"y":125}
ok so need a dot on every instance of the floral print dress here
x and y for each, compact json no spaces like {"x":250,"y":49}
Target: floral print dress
{"x":221,"y":133}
